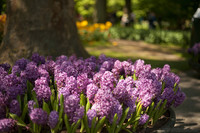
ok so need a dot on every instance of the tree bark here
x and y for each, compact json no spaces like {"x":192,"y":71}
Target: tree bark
{"x":100,"y":13}
{"x":43,"y":26}
{"x":128,"y":6}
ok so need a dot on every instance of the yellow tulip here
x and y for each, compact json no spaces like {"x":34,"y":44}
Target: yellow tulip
{"x":102,"y":27}
{"x":108,"y":24}
{"x":84,"y":23}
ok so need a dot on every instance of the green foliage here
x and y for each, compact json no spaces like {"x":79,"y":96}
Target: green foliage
{"x":85,"y":7}
{"x":2,"y":6}
{"x":181,"y":38}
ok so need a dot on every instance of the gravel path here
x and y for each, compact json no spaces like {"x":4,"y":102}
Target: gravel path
{"x":188,"y":114}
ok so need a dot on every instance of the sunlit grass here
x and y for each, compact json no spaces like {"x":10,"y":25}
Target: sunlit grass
{"x":110,"y":50}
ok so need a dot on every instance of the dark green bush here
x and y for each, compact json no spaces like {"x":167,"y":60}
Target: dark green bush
{"x":180,"y":38}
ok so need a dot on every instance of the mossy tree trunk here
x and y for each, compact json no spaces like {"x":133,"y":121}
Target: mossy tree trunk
{"x":43,"y":26}
{"x":100,"y":13}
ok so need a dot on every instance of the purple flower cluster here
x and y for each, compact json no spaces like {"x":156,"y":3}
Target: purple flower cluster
{"x":7,"y":125}
{"x":53,"y":119}
{"x":110,"y":85}
{"x":42,"y":89}
{"x":39,"y":116}
{"x":15,"y":107}
{"x":91,"y":113}
{"x":143,"y":119}
{"x":195,"y":49}
{"x":72,"y":108}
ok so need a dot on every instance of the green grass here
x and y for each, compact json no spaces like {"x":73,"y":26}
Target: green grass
{"x":176,"y":66}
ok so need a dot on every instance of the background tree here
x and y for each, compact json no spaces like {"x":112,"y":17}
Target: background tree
{"x":100,"y":12}
{"x":47,"y":27}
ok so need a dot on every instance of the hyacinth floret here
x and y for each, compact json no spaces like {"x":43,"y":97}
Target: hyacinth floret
{"x":42,"y":89}
{"x":91,"y":113}
{"x":7,"y":125}
{"x":179,"y":98}
{"x":91,"y":91}
{"x":82,"y":82}
{"x":21,"y":63}
{"x":31,"y":72}
{"x":71,"y":83}
{"x":71,"y":105}
{"x":61,"y":59}
{"x":143,"y":119}
{"x":106,"y":105}
{"x":31,"y":105}
{"x":53,"y":119}
{"x":167,"y":94}
{"x":15,"y":107}
{"x":38,"y":59}
{"x":127,"y":68}
{"x":108,"y":80}
{"x":78,"y":114}
{"x":5,"y":66}
{"x":39,"y":116}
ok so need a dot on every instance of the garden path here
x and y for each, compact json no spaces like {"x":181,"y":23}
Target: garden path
{"x":188,"y":114}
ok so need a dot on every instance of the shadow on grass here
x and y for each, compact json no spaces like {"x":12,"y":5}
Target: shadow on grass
{"x":176,"y":66}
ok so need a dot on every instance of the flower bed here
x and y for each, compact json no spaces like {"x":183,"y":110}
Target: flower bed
{"x":194,"y":60}
{"x":71,"y":93}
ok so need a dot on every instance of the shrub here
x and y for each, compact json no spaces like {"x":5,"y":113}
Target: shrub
{"x":151,"y":36}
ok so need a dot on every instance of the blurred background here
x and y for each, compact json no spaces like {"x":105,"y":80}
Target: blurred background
{"x":103,"y":24}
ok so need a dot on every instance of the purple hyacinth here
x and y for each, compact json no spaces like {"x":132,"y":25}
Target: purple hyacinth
{"x":61,"y":59}
{"x":31,"y":72}
{"x":42,"y":89}
{"x":127,"y":68}
{"x":97,"y":78}
{"x":71,"y":83}
{"x":50,"y":66}
{"x":43,"y":92}
{"x":38,"y":59}
{"x":120,"y":92}
{"x":195,"y":49}
{"x":91,"y":113}
{"x":7,"y":125}
{"x":31,"y":105}
{"x":168,"y":94}
{"x":71,"y":104}
{"x":39,"y":116}
{"x":157,"y":72}
{"x":5,"y":66}
{"x":21,"y":63}
{"x":78,"y":114}
{"x":16,"y":70}
{"x":53,"y":119}
{"x":43,"y":72}
{"x":106,"y":105}
{"x":60,"y":78}
{"x":108,"y":80}
{"x":106,"y":66}
{"x":64,"y":91}
{"x":91,"y":91}
{"x":82,"y":82}
{"x":143,"y":119}
{"x":179,"y":98}
{"x":148,"y":89}
{"x":15,"y":107}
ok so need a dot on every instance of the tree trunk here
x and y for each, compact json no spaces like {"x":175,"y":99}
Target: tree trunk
{"x":100,"y":13}
{"x":43,"y":26}
{"x":129,"y":8}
